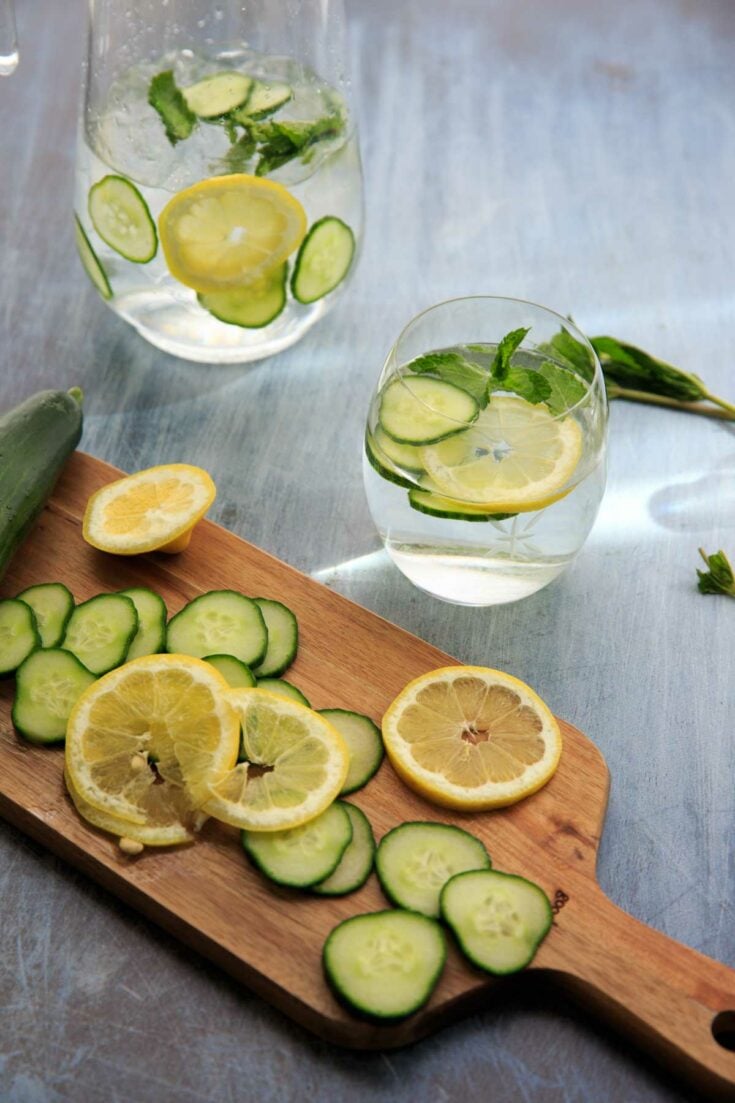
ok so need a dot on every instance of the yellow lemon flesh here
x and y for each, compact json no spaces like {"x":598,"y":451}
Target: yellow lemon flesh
{"x":296,"y":765}
{"x":229,"y":231}
{"x":153,"y":510}
{"x":471,"y":738}
{"x":514,"y":458}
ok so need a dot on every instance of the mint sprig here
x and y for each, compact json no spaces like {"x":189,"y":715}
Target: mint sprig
{"x":453,"y":368}
{"x":719,"y":578}
{"x":167,"y":99}
{"x":504,"y":353}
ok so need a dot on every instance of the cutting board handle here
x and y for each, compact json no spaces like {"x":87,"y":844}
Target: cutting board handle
{"x":677,"y":1003}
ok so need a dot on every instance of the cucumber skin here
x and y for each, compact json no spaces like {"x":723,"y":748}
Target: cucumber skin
{"x":36,"y":439}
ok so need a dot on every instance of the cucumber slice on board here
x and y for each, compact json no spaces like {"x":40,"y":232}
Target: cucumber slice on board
{"x":90,"y":261}
{"x":165,"y":97}
{"x":265,"y":99}
{"x":415,"y":860}
{"x":48,"y":684}
{"x":121,"y":217}
{"x":498,"y":919}
{"x":304,"y":855}
{"x":220,"y":622}
{"x":151,"y":609}
{"x":323,"y":261}
{"x":282,"y":688}
{"x":52,"y":605}
{"x":379,"y":466}
{"x":236,"y":673}
{"x":283,"y":637}
{"x":435,"y":505}
{"x":386,"y":964}
{"x":421,"y":410}
{"x":364,"y":743}
{"x":250,"y":307}
{"x":100,"y":631}
{"x":18,"y":634}
{"x":217,"y":95}
{"x":356,"y":863}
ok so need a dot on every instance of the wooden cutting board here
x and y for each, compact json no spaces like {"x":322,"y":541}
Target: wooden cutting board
{"x":668,"y":997}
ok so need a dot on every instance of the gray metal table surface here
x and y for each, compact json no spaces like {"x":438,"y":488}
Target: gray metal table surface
{"x":579,"y":154}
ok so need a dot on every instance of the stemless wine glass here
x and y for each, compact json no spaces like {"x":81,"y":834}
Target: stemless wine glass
{"x":484,"y":458}
{"x":219,"y":191}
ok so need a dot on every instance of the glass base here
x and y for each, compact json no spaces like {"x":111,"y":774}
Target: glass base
{"x":474,"y":580}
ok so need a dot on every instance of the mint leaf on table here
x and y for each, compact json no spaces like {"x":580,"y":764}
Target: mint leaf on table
{"x":504,"y":353}
{"x":566,"y":389}
{"x":719,"y":579}
{"x":525,"y":382}
{"x":453,"y":368}
{"x":168,"y":100}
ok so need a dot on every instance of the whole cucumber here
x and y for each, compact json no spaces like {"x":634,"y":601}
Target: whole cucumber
{"x":36,"y":439}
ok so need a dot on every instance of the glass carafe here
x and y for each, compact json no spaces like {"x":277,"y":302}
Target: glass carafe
{"x":219,"y":192}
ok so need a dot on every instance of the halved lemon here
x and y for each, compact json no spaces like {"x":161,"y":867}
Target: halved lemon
{"x":153,"y":510}
{"x":472,"y":738}
{"x":229,"y":231}
{"x":296,"y":765}
{"x":168,"y":830}
{"x":515,"y":458}
{"x":146,"y":743}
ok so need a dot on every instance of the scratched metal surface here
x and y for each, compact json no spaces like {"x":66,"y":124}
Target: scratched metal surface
{"x":579,"y":154}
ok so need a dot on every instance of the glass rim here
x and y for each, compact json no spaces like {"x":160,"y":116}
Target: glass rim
{"x":598,"y":378}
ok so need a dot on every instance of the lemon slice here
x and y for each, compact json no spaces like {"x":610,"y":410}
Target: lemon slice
{"x":153,"y":510}
{"x":229,"y":231}
{"x":145,"y":743}
{"x":169,"y":830}
{"x":296,"y":765}
{"x":471,"y":738}
{"x":516,"y":457}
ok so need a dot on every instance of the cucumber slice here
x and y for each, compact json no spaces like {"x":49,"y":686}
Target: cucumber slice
{"x":386,"y":964}
{"x":99,"y":631}
{"x":407,"y":456}
{"x":420,"y":410}
{"x":18,"y":634}
{"x":165,"y":97}
{"x":323,"y":260}
{"x":217,"y":95}
{"x":151,"y":609}
{"x":48,"y":685}
{"x":282,"y":688}
{"x":265,"y":99}
{"x":90,"y":261}
{"x":221,"y":622}
{"x":237,"y":674}
{"x":304,"y":855}
{"x":415,"y":860}
{"x":121,"y":217}
{"x":251,"y":307}
{"x":364,"y":743}
{"x":498,"y":919}
{"x":52,"y":605}
{"x":384,"y":472}
{"x":356,"y":862}
{"x":449,"y":508}
{"x":283,"y":637}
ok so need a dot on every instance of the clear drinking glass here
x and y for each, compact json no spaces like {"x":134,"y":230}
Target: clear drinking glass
{"x":484,"y":473}
{"x":253,"y":99}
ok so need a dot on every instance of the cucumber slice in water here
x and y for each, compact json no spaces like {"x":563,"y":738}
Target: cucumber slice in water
{"x":151,"y":635}
{"x":18,"y":634}
{"x":498,"y":919}
{"x":407,"y":456}
{"x":90,"y":261}
{"x":364,"y":743}
{"x":385,"y":964}
{"x":52,"y":605}
{"x":304,"y":855}
{"x":221,"y":622}
{"x":357,"y":861}
{"x":121,"y":217}
{"x":217,"y":95}
{"x":250,"y":307}
{"x":100,"y":631}
{"x":449,"y":508}
{"x":237,"y":674}
{"x":415,"y":860}
{"x":421,"y":410}
{"x":282,"y":688}
{"x":265,"y":99}
{"x":379,"y":465}
{"x":323,"y":260}
{"x":48,"y":685}
{"x":283,"y":637}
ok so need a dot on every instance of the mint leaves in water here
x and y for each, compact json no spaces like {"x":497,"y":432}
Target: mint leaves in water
{"x":719,"y":578}
{"x":167,"y":99}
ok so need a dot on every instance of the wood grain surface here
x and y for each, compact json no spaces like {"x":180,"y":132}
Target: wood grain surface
{"x":662,"y":993}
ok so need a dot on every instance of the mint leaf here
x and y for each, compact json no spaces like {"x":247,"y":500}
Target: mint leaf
{"x":569,"y":350}
{"x":565,"y":388}
{"x":455,"y":369}
{"x":633,"y":368}
{"x":719,"y":579}
{"x":525,"y":382}
{"x":166,"y":98}
{"x":504,"y":353}
{"x":240,"y":153}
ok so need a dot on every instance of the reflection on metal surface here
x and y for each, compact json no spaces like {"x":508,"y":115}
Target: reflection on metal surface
{"x":351,"y":566}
